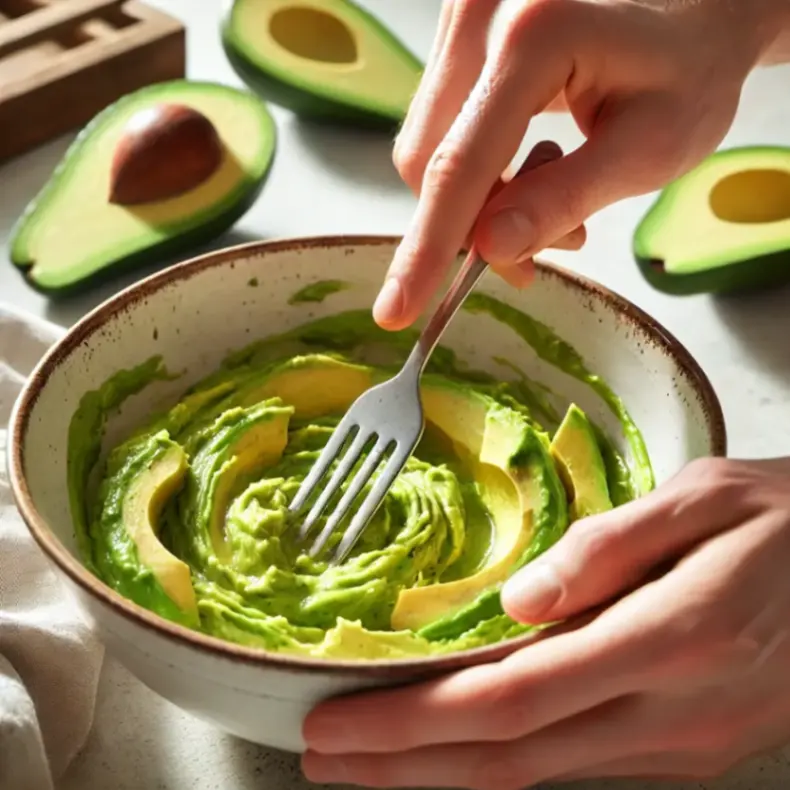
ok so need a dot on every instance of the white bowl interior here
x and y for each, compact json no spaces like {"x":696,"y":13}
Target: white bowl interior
{"x":193,"y":322}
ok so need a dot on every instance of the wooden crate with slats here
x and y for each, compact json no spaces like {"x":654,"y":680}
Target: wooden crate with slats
{"x":62,"y":61}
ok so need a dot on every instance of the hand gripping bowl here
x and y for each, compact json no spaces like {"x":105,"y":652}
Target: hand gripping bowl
{"x":194,"y":315}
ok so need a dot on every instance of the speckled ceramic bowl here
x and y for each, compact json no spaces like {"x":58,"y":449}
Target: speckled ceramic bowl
{"x":193,"y":314}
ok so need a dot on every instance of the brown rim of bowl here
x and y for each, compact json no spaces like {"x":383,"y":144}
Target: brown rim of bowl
{"x":398,"y":668}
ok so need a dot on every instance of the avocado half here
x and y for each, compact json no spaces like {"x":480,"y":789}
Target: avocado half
{"x":333,"y":62}
{"x":722,"y":227}
{"x":73,"y":233}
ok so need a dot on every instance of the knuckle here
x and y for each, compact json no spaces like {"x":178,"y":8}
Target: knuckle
{"x":409,"y":161}
{"x":535,"y":19}
{"x":695,"y":640}
{"x":710,"y":478}
{"x":594,"y":544}
{"x":703,"y":645}
{"x":443,"y":168}
{"x":507,"y":718}
{"x":712,"y":471}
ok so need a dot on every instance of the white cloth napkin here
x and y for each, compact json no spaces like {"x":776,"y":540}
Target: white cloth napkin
{"x":49,"y":658}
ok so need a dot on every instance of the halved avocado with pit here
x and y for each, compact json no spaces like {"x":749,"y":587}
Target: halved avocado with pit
{"x":722,"y":227}
{"x":161,"y":170}
{"x":332,"y":61}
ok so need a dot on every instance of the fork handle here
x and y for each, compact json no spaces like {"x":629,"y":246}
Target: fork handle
{"x":468,"y":275}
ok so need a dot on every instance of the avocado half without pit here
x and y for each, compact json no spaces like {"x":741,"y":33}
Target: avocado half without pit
{"x":722,"y":227}
{"x":164,"y":169}
{"x":336,"y":62}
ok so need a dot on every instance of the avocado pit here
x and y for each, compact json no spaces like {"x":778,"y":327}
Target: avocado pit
{"x":165,"y":150}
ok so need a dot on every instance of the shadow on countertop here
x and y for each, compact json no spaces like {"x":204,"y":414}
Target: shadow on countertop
{"x":759,"y":322}
{"x":260,"y":767}
{"x":362,"y":156}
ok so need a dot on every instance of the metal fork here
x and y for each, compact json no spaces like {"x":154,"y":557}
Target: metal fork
{"x":390,"y":412}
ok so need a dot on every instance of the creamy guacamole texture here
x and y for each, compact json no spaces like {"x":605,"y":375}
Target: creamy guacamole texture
{"x":188,"y":516}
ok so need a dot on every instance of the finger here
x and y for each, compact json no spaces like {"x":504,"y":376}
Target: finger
{"x":445,"y":15}
{"x":608,"y":553}
{"x":627,"y":153}
{"x":483,"y":139}
{"x":558,"y":104}
{"x":457,"y":59}
{"x":522,"y":274}
{"x":437,"y":44}
{"x":669,"y":766}
{"x":613,"y":732}
{"x":572,"y":241}
{"x":544,"y":683}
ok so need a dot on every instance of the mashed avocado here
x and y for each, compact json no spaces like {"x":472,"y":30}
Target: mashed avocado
{"x":189,"y":515}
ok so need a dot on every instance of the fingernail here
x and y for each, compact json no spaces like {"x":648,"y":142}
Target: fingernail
{"x":323,"y":768}
{"x":389,"y":303}
{"x":533,"y":590}
{"x":510,"y":233}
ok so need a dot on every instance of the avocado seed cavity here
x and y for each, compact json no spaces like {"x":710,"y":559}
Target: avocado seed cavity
{"x":314,"y":35}
{"x":752,"y":196}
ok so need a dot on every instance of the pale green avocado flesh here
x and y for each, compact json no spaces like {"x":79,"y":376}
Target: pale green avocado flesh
{"x":71,"y":235}
{"x":334,"y":62}
{"x":189,"y":517}
{"x":723,"y":226}
{"x":581,"y":466}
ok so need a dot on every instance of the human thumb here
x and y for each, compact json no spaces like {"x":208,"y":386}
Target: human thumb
{"x":545,"y":203}
{"x":608,"y":554}
{"x":579,"y":572}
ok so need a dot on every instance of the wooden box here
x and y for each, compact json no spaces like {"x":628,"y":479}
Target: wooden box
{"x":62,"y":61}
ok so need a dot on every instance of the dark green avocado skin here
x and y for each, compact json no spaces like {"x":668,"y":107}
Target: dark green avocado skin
{"x":301,"y":103}
{"x":753,"y":274}
{"x":188,"y":241}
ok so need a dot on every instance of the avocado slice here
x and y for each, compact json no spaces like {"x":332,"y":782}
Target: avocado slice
{"x":581,"y":465}
{"x":243,"y":440}
{"x":724,"y":226}
{"x":332,"y":62}
{"x":77,"y":230}
{"x":510,"y":460}
{"x":519,"y":486}
{"x":139,"y":566}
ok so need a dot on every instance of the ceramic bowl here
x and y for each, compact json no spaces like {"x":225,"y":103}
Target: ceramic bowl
{"x":193,"y":314}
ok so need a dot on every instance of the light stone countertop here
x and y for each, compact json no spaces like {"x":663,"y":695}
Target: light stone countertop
{"x":141,"y":742}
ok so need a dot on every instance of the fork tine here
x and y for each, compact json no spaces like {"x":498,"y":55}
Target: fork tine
{"x":338,"y":476}
{"x":317,"y":471}
{"x":372,"y":502}
{"x":357,"y":484}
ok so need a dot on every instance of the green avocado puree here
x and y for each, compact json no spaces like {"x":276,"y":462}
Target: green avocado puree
{"x":237,"y":455}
